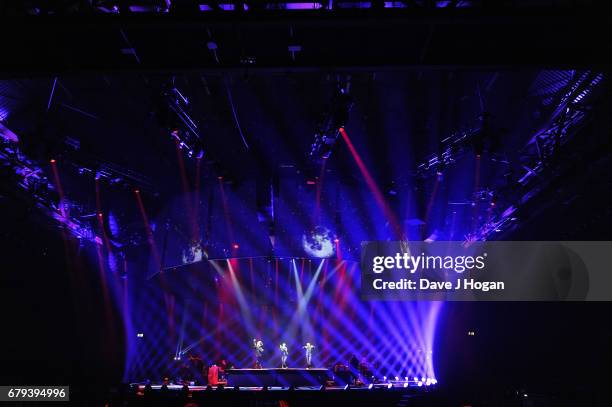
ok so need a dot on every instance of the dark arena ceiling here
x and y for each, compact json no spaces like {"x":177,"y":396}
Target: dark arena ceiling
{"x":153,"y":35}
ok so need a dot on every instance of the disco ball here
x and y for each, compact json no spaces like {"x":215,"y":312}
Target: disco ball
{"x":319,"y":242}
{"x":193,"y":253}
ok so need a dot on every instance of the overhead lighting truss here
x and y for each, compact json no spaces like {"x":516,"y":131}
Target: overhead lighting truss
{"x":328,"y":129}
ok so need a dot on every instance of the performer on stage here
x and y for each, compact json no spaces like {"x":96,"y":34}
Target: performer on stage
{"x":308,"y":347}
{"x":259,"y":350}
{"x":284,"y":354}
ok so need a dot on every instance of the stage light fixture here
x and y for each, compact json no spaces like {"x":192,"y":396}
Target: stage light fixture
{"x":370,"y":386}
{"x":390,"y":385}
{"x":175,"y":117}
{"x":332,"y":123}
{"x":140,"y":335}
{"x":52,"y":161}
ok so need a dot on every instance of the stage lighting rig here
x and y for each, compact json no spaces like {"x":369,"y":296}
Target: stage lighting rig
{"x":103,"y":171}
{"x":7,"y":135}
{"x":450,"y":150}
{"x":45,"y":193}
{"x":30,"y":178}
{"x":540,"y":161}
{"x":328,"y":129}
{"x":478,"y":139}
{"x":175,"y":117}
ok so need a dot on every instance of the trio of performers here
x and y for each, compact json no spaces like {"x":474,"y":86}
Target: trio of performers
{"x":258,"y":350}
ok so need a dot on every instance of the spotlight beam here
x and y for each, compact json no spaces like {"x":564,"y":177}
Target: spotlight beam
{"x":378,"y":196}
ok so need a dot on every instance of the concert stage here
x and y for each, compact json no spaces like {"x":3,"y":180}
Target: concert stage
{"x":276,"y":377}
{"x":367,"y":396}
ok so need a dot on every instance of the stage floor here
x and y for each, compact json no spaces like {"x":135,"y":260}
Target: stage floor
{"x":379,"y":395}
{"x":277,"y":377}
{"x":200,"y":388}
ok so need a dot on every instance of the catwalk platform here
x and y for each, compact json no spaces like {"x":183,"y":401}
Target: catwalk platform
{"x":276,"y":377}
